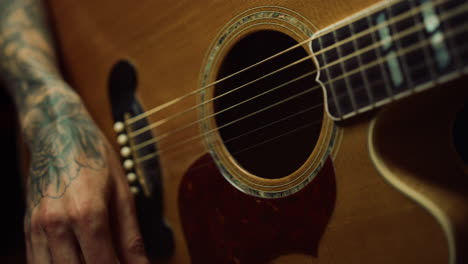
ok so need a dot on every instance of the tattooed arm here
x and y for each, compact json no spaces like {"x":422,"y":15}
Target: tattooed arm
{"x":79,"y":205}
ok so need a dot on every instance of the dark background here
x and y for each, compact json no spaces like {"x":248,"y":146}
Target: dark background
{"x":11,"y":196}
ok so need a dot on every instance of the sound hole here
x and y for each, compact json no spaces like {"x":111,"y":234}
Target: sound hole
{"x":272,"y":135}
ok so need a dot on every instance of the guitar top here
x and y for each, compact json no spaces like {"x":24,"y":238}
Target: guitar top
{"x":282,"y":131}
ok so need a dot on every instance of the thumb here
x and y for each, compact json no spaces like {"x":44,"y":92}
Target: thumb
{"x":129,"y":242}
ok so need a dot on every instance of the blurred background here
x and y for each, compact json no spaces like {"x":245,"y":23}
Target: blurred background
{"x":11,"y":196}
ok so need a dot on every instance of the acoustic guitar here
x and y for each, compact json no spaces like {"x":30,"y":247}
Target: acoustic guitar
{"x":275,"y":131}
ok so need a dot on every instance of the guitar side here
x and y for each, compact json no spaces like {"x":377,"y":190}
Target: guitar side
{"x":431,"y":172}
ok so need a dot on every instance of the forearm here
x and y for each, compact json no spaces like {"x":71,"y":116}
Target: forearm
{"x":54,"y":121}
{"x":75,"y":182}
{"x":28,"y":64}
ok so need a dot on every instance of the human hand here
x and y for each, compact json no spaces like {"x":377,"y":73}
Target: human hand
{"x":80,"y":209}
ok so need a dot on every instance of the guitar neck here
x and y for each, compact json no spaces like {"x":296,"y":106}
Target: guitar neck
{"x":390,"y":51}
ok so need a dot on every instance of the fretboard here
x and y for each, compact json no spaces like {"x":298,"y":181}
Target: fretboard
{"x":390,"y":51}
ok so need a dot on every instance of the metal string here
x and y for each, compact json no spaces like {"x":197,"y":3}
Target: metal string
{"x":398,"y":53}
{"x":349,"y":56}
{"x":372,"y":29}
{"x":352,"y":55}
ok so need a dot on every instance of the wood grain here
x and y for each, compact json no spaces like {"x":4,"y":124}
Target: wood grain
{"x":167,"y":41}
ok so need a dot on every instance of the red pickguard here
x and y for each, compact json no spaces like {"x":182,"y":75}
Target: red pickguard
{"x":223,"y":225}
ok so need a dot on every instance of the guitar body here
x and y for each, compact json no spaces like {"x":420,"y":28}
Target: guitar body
{"x":388,"y":187}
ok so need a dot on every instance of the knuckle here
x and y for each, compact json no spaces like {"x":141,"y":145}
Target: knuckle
{"x":27,"y":224}
{"x":53,"y":222}
{"x":136,"y":246}
{"x":27,"y":230}
{"x":90,"y":217}
{"x":33,"y":225}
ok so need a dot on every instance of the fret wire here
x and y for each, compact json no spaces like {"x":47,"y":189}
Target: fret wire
{"x":409,"y":49}
{"x":335,"y":95}
{"x":363,"y":74}
{"x":455,"y":31}
{"x":385,"y":77}
{"x":404,"y":51}
{"x":333,"y":92}
{"x":348,"y":86}
{"x":454,"y":46}
{"x":176,"y":100}
{"x":373,"y":29}
{"x":427,"y":54}
{"x":462,"y":49}
{"x":402,"y":60}
{"x":388,"y":50}
{"x":435,"y":33}
{"x":379,"y":55}
{"x":358,"y":89}
{"x":367,"y":14}
{"x":427,"y":82}
{"x":373,"y":32}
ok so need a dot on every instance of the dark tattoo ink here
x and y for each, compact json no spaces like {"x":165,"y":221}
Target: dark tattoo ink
{"x":63,"y":139}
{"x":62,"y":148}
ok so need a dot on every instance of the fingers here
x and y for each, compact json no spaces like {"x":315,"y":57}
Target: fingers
{"x":91,"y":226}
{"x":51,"y":238}
{"x":79,"y":234}
{"x":128,"y":241}
{"x":27,"y":240}
{"x":38,"y":248}
{"x":76,"y":228}
{"x":61,"y":242}
{"x":27,"y":236}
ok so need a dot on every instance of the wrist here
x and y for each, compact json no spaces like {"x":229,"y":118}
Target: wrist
{"x":37,"y":90}
{"x":43,"y":110}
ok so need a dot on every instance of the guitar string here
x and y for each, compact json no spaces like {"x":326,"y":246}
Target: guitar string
{"x":316,"y":122}
{"x":178,"y":129}
{"x":394,"y":19}
{"x":165,"y":120}
{"x":205,"y":133}
{"x":210,"y":140}
{"x":349,"y":56}
{"x":274,"y":123}
{"x":372,"y":29}
{"x":462,"y":28}
{"x":255,"y":145}
{"x":352,"y":55}
{"x":268,"y":140}
{"x":318,"y":86}
{"x":188,"y":140}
